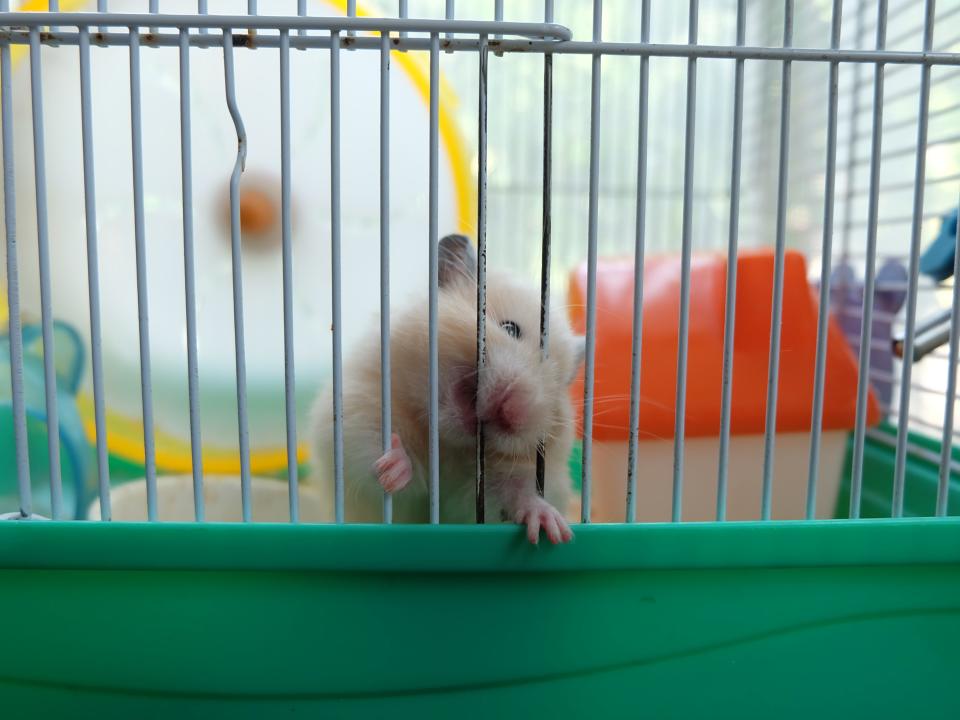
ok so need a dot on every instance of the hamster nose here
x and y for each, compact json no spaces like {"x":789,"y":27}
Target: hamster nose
{"x":507,"y":408}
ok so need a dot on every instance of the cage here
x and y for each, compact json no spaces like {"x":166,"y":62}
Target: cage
{"x":767,"y":506}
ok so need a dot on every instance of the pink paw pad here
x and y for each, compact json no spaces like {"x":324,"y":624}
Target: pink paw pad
{"x":537,"y":514}
{"x":394,"y":470}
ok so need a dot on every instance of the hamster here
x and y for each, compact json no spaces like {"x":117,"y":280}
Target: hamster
{"x":518,"y":398}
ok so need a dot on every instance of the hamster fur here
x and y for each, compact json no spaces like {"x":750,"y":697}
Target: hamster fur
{"x":519,"y":399}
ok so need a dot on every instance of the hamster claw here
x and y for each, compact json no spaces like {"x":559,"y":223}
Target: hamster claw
{"x":537,"y":514}
{"x":394,"y":469}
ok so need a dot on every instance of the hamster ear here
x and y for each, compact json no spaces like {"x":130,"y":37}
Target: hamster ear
{"x":579,"y":354}
{"x":457,"y":260}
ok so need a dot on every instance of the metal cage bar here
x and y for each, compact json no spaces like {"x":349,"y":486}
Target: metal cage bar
{"x":480,"y":492}
{"x":93,"y":273}
{"x":638,"y":269}
{"x":243,"y":430}
{"x":547,"y":31}
{"x":143,"y":315}
{"x":863,"y":384}
{"x":53,"y":6}
{"x":385,"y":378}
{"x":46,"y":295}
{"x":13,"y":289}
{"x":543,"y":38}
{"x":949,"y":400}
{"x":546,"y":231}
{"x":190,"y":284}
{"x":826,"y":260}
{"x":591,"y":334}
{"x":900,"y":463}
{"x":773,"y":369}
{"x":336,"y":321}
{"x":730,"y":308}
{"x":289,"y":371}
{"x":433,"y":238}
{"x":686,"y":252}
{"x":153,"y":7}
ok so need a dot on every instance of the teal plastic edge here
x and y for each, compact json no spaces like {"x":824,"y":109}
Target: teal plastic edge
{"x":467,"y":548}
{"x":920,"y":485}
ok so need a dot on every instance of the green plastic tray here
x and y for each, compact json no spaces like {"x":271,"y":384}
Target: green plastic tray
{"x":920,"y":484}
{"x":832,"y":618}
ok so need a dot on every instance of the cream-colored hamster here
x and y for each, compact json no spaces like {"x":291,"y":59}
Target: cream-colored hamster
{"x":519,"y":399}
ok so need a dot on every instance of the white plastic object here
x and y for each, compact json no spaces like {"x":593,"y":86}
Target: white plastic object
{"x":214,"y":147}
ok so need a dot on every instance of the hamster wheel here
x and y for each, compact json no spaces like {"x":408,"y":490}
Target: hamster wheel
{"x":214,"y":147}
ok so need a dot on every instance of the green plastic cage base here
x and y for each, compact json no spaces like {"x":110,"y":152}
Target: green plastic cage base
{"x":921,"y":479}
{"x":792,"y":619}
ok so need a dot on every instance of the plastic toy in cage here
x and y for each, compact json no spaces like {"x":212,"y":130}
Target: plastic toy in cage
{"x":751,"y":348}
{"x":846,"y":297}
{"x":214,"y":149}
{"x":77,"y":481}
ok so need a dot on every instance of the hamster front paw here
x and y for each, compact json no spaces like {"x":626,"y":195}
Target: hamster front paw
{"x":394,"y":469}
{"x":536,"y":513}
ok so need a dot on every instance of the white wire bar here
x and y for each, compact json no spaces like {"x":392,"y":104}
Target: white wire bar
{"x":480,"y":493}
{"x":546,"y":231}
{"x":638,"y":269}
{"x":190,"y":283}
{"x":870,"y":270}
{"x":773,"y":369}
{"x":946,"y":442}
{"x":93,"y":274}
{"x":686,"y":251}
{"x":143,"y":314}
{"x":900,"y":462}
{"x":433,"y":239}
{"x":591,"y":329}
{"x":730,"y":307}
{"x":826,"y":263}
{"x":385,"y":378}
{"x":13,"y":288}
{"x":335,"y":280}
{"x":46,"y":295}
{"x":243,"y":431}
{"x":286,"y":237}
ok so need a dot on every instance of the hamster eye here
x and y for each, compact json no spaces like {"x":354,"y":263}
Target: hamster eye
{"x":513,"y":330}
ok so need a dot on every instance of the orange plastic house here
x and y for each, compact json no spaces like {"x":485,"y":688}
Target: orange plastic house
{"x":661,"y":307}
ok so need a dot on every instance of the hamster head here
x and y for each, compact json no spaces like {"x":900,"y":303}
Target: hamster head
{"x":518,"y":397}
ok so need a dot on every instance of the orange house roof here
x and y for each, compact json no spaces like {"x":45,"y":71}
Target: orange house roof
{"x":658,"y":372}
